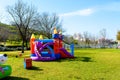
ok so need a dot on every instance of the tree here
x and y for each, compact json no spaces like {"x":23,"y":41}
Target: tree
{"x":86,"y":36}
{"x":118,"y":37}
{"x":78,"y":38}
{"x":94,"y":41}
{"x":68,"y":39}
{"x":23,"y":16}
{"x":103,"y":34}
{"x":4,"y":34}
{"x":46,"y":22}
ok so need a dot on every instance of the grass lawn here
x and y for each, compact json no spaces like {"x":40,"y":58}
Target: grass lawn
{"x":89,"y":64}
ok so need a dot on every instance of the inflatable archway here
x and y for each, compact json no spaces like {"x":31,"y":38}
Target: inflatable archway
{"x":38,"y":51}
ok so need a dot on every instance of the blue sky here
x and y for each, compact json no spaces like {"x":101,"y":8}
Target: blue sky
{"x":78,"y":15}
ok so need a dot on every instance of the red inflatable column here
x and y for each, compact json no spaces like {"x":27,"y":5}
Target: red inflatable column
{"x":60,"y":43}
{"x":32,"y":45}
{"x":56,"y":46}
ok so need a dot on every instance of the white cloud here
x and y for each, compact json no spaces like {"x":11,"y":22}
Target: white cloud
{"x":113,"y":6}
{"x":84,"y":12}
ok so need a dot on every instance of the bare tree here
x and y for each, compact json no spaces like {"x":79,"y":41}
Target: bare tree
{"x":22,"y":15}
{"x":46,"y":22}
{"x":79,"y":38}
{"x":103,"y":34}
{"x":94,"y":41}
{"x":68,"y":39}
{"x":86,"y":36}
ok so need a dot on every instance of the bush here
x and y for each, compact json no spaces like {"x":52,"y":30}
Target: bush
{"x":2,"y":48}
{"x":1,"y":45}
{"x":13,"y":46}
{"x":10,"y":48}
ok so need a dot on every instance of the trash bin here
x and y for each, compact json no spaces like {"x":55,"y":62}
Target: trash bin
{"x":27,"y":63}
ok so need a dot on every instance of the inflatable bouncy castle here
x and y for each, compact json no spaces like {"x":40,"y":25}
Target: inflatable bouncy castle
{"x":49,"y":49}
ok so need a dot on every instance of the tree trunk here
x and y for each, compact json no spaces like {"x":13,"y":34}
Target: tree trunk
{"x":23,"y":46}
{"x":26,"y":45}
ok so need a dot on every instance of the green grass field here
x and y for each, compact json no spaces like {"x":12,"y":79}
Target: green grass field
{"x":88,"y":64}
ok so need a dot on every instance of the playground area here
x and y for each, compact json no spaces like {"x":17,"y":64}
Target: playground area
{"x":49,"y":60}
{"x":80,"y":41}
{"x":88,"y":64}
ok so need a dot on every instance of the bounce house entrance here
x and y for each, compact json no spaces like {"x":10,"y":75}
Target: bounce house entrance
{"x":47,"y":51}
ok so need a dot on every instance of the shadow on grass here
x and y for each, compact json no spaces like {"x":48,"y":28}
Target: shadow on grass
{"x":86,"y":59}
{"x":83,"y":59}
{"x":35,"y":68}
{"x":14,"y":78}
